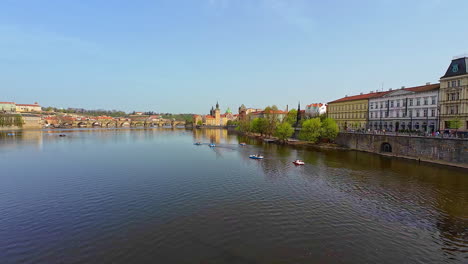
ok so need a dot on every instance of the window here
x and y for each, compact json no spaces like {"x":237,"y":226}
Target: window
{"x":410,"y":112}
{"x":448,"y":84}
{"x":397,"y":113}
{"x":458,"y":83}
{"x":386,"y":114}
{"x":411,"y":102}
{"x":425,"y":100}
{"x":418,"y":101}
{"x":381,"y":104}
{"x":417,"y":113}
{"x":391,"y":104}
{"x":433,"y":100}
{"x":398,"y":103}
{"x":432,"y":112}
{"x":425,"y":113}
{"x":371,"y":105}
{"x":454,"y":83}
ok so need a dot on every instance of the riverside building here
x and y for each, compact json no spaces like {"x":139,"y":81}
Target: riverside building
{"x":351,"y":112}
{"x":454,"y":95}
{"x":413,"y":108}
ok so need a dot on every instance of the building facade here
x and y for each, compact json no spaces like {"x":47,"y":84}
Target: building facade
{"x":21,"y":108}
{"x":7,"y":107}
{"x":215,"y":118}
{"x":314,"y":110}
{"x":351,"y":112}
{"x":453,"y":95}
{"x":413,"y":108}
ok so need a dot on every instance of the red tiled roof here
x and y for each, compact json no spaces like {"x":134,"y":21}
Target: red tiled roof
{"x":28,"y":105}
{"x":315,"y":105}
{"x":360,"y":97}
{"x":209,"y":117}
{"x":423,"y":88}
{"x":7,"y":103}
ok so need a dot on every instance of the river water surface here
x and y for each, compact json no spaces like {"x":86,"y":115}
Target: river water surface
{"x":151,"y":196}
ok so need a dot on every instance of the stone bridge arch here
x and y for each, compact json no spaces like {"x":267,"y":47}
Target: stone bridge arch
{"x":385,"y":147}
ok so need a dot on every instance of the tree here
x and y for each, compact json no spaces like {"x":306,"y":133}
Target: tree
{"x":244,"y":126}
{"x":329,"y":129}
{"x":292,"y":116}
{"x":271,"y":118}
{"x":311,"y":130}
{"x":199,"y":123}
{"x":284,"y":131}
{"x":455,"y":124}
{"x":259,"y":125}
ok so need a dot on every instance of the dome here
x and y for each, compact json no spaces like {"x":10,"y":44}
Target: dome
{"x":228,"y":111}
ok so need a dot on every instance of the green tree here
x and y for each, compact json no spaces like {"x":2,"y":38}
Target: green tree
{"x":329,"y":129}
{"x":291,"y":118}
{"x":271,"y":117}
{"x":259,"y":125}
{"x":284,"y":131}
{"x":311,"y":130}
{"x":455,"y":124}
{"x":199,"y":123}
{"x":244,"y":126}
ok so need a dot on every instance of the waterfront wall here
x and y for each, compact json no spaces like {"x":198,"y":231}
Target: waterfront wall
{"x":439,"y":150}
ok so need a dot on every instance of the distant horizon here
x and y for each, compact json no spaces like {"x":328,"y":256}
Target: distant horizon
{"x":183,"y":56}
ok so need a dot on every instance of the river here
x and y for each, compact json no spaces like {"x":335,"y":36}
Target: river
{"x":152,"y":196}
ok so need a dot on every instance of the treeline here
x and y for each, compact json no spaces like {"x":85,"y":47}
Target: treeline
{"x":99,"y":112}
{"x":179,"y":117}
{"x":313,"y":130}
{"x":11,"y":120}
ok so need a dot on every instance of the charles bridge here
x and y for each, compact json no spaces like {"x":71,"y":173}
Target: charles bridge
{"x":113,"y":122}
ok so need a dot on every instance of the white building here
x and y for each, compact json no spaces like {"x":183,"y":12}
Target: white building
{"x":412,"y":108}
{"x":315,"y":109}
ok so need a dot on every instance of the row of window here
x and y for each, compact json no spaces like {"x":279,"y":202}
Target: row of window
{"x":410,"y":113}
{"x":453,"y":96}
{"x":348,"y":107}
{"x":348,"y":115}
{"x":402,"y":103}
{"x":402,"y":126}
{"x":452,"y":109}
{"x":454,"y":83}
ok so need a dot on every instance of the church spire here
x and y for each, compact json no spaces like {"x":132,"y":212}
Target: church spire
{"x":217,"y":105}
{"x":298,"y":118}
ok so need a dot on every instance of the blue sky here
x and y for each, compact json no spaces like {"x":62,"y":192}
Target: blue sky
{"x":183,"y":55}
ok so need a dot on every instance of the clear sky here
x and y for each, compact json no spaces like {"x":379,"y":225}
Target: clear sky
{"x":183,"y":55}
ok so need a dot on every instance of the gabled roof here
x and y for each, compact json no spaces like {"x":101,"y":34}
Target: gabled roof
{"x":359,"y":97}
{"x":457,"y":67}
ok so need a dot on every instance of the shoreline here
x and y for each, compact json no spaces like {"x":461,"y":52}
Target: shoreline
{"x":334,"y":146}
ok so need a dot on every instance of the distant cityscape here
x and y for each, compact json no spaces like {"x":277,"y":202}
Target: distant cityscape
{"x":426,"y":108}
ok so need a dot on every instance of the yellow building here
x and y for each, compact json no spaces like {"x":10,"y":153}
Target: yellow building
{"x":215,"y":118}
{"x":453,"y":95}
{"x":21,"y":108}
{"x":351,"y":112}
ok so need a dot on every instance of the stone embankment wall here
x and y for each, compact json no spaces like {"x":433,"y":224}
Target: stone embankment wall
{"x":447,"y":151}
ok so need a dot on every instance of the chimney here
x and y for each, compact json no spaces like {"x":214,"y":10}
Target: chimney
{"x":390,"y":89}
{"x":371,"y":91}
{"x":361,"y":94}
{"x":428,"y":83}
{"x":402,"y":87}
{"x":346,"y":96}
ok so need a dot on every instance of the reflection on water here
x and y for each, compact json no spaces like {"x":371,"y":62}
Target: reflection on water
{"x":136,"y":195}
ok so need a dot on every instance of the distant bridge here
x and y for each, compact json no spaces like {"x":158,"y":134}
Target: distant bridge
{"x":121,"y":123}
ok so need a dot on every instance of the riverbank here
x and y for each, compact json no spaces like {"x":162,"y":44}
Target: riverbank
{"x":441,"y":153}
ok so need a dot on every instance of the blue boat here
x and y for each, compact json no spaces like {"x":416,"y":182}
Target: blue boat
{"x":197,"y":143}
{"x":256,"y":156}
{"x":212,"y":145}
{"x":243,"y":144}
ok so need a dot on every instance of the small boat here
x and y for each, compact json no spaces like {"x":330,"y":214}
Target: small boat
{"x":197,"y":143}
{"x":62,"y":135}
{"x":256,"y":156}
{"x":10,"y":134}
{"x":243,"y":144}
{"x":299,"y":162}
{"x":212,"y":145}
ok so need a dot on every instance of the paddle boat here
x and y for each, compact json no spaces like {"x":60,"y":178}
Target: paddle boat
{"x":299,"y":162}
{"x":197,"y":143}
{"x":10,"y":134}
{"x":256,"y":156}
{"x":212,"y":145}
{"x":243,"y":144}
{"x":62,"y":135}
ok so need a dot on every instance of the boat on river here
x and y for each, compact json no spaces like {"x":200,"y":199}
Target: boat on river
{"x":256,"y":156}
{"x":299,"y":162}
{"x":243,"y":144}
{"x":197,"y":143}
{"x":212,"y":145}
